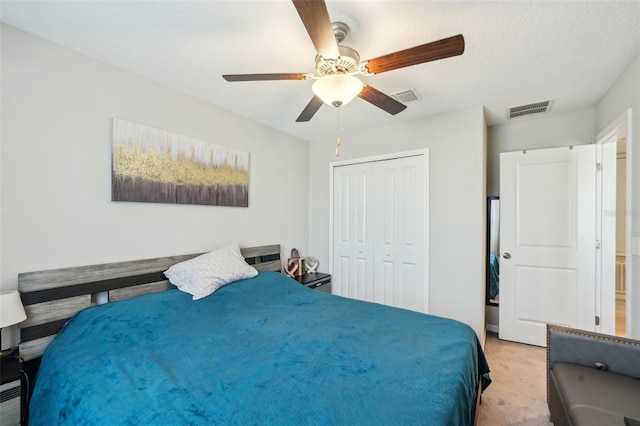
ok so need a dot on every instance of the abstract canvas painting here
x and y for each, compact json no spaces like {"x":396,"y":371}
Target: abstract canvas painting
{"x":157,"y":166}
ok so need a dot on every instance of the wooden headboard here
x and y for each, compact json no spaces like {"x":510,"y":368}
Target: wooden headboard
{"x":52,"y":297}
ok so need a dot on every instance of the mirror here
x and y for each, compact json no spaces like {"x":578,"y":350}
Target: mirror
{"x":493,"y":251}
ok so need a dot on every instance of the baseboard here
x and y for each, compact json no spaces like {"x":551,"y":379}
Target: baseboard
{"x":492,"y":327}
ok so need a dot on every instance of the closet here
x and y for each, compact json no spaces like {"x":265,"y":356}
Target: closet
{"x":380,"y":230}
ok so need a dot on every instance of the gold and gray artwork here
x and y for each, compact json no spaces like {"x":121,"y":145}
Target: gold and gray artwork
{"x":158,"y":166}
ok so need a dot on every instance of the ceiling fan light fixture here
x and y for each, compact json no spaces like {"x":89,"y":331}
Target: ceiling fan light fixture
{"x":337,"y":89}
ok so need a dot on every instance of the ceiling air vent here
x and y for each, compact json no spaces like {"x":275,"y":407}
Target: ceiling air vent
{"x":406,"y":96}
{"x":533,"y":108}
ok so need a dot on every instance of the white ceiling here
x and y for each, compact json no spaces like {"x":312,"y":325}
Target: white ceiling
{"x":517,"y":52}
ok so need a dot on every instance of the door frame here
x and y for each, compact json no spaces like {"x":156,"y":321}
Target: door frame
{"x":605,"y":294}
{"x":384,"y":157}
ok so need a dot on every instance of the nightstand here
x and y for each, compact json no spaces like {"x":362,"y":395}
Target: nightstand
{"x":10,"y":390}
{"x":316,"y":281}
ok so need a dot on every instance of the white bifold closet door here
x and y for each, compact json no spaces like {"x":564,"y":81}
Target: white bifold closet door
{"x":380,"y":232}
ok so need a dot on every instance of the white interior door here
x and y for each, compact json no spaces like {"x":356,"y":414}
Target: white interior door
{"x":548,"y":241}
{"x":379,"y":232}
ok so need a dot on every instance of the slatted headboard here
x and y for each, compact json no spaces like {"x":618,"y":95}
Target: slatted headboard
{"x":52,"y":297}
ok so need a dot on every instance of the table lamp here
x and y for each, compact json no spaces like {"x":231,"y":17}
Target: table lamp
{"x":11,"y":312}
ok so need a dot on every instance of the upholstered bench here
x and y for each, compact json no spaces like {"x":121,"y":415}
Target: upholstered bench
{"x":592,"y":378}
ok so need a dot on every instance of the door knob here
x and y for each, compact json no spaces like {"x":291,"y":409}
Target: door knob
{"x":507,"y":255}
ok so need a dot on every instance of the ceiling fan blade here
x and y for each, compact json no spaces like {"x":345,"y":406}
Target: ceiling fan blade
{"x":382,"y":101}
{"x":260,"y":77}
{"x":315,"y":18}
{"x":445,"y":48}
{"x":310,"y":110}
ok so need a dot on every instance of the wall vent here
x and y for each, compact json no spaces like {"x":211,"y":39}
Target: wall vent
{"x":406,"y":96}
{"x":532,"y":108}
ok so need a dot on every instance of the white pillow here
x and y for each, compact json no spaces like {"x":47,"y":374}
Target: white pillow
{"x":206,"y":273}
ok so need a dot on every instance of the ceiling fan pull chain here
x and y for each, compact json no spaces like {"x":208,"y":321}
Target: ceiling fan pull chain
{"x":338,"y":135}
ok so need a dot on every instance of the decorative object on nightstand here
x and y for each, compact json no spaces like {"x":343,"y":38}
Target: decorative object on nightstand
{"x":295,"y":264}
{"x":304,"y":270}
{"x":291,"y":267}
{"x":11,"y":313}
{"x":311,"y":264}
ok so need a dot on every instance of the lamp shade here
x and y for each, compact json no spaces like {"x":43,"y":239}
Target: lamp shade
{"x":337,"y":89}
{"x":11,"y":310}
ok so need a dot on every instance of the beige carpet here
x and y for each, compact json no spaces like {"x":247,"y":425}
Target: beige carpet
{"x":518,"y":393}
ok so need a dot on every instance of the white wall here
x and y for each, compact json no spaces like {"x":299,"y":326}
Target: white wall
{"x":624,"y":94}
{"x":57,"y":111}
{"x":533,"y":132}
{"x":536,"y":132}
{"x":456,"y":143}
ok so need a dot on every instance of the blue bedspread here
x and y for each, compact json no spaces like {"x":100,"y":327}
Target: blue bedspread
{"x":265,"y":350}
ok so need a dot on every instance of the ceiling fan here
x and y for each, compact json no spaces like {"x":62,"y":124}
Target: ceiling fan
{"x":337,"y":65}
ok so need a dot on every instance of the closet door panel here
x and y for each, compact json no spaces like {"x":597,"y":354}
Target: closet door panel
{"x":353,"y":234}
{"x":408,"y":209}
{"x":399,"y":245}
{"x":406,"y":297}
{"x":386,"y":283}
{"x":384,"y":200}
{"x":383,"y":246}
{"x":340,"y":279}
{"x":411,"y":231}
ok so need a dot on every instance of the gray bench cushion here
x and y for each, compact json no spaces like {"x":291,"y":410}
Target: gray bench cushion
{"x":595,"y":397}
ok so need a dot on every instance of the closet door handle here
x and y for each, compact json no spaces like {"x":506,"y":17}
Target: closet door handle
{"x":507,"y":255}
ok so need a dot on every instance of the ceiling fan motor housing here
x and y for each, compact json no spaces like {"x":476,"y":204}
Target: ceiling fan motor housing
{"x":347,"y":63}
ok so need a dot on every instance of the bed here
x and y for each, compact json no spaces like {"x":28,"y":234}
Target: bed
{"x":261,"y":350}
